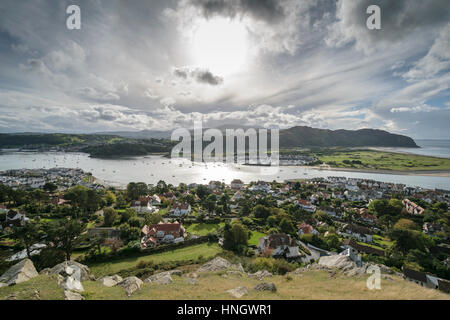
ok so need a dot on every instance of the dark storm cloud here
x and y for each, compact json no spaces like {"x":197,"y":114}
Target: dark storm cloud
{"x":205,"y":76}
{"x":266,"y":10}
{"x":399,"y":19}
{"x":199,"y":75}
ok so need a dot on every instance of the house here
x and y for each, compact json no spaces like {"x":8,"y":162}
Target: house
{"x":237,"y":184}
{"x":358,"y":232}
{"x":412,"y":208}
{"x":14,"y":219}
{"x":213,"y":185}
{"x":421,"y":278}
{"x":305,"y":228}
{"x":261,"y":186}
{"x":180,"y":209}
{"x":238,"y":195}
{"x":155,"y":200}
{"x":305,"y":205}
{"x":143,"y":205}
{"x":279,"y":245}
{"x":331,"y":211}
{"x":431,"y":228}
{"x":58,"y":201}
{"x":155,"y":234}
{"x":3,"y":209}
{"x":366,"y":216}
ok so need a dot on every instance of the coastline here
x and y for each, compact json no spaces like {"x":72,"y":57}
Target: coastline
{"x":433,"y":173}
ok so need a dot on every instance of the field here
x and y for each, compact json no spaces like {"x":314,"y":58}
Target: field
{"x":202,"y":229}
{"x":254,"y":238}
{"x":309,"y":285}
{"x":380,"y":160}
{"x":206,"y":250}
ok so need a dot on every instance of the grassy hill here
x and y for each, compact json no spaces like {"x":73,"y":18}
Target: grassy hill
{"x":308,"y":285}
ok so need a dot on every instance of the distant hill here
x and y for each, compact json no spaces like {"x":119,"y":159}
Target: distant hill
{"x":311,"y":137}
{"x":302,"y":136}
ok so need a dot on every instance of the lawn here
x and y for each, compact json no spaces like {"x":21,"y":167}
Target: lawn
{"x":254,"y":238}
{"x":380,"y":160}
{"x":382,"y":241}
{"x":202,"y":229}
{"x":207,"y":250}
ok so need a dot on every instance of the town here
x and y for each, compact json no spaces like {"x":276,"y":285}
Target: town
{"x":59,"y":215}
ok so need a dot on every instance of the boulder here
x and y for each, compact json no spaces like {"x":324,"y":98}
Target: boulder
{"x":164,"y":274}
{"x":219,"y":264}
{"x":341,"y":262}
{"x":167,"y":279}
{"x":110,"y":281}
{"x":192,"y":275}
{"x":261,"y":274}
{"x":216,"y":264}
{"x":266,"y":286}
{"x":131,"y":284}
{"x":69,"y":295}
{"x":238,"y":292}
{"x":20,"y":272}
{"x":71,"y":266}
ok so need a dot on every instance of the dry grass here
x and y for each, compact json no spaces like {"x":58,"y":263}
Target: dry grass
{"x":309,"y":285}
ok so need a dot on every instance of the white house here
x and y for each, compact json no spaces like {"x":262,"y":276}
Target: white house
{"x":305,"y":205}
{"x":180,"y":209}
{"x":357,"y":232}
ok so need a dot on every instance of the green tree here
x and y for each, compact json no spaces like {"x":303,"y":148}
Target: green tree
{"x":125,"y":216}
{"x":64,"y":234}
{"x":260,"y":211}
{"x":129,"y":233}
{"x":50,"y":187}
{"x":286,"y":226}
{"x":235,"y":236}
{"x":110,"y":216}
{"x":27,"y":235}
{"x":110,"y":198}
{"x":405,"y":224}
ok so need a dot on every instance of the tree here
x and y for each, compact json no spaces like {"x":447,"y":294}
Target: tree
{"x":152,"y":218}
{"x":406,"y":240}
{"x":235,"y":236}
{"x":272,"y":221}
{"x":202,"y":191}
{"x":110,"y":216}
{"x":125,"y":216}
{"x":261,"y":211}
{"x":110,"y":198}
{"x":77,"y":195}
{"x":135,"y":190}
{"x":50,"y":187}
{"x":39,"y":196}
{"x":64,"y":235}
{"x":28,"y":234}
{"x":405,"y":224}
{"x":129,"y":233}
{"x":286,"y":226}
{"x":162,"y":187}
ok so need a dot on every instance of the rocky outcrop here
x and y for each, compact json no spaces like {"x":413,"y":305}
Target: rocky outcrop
{"x":341,"y":262}
{"x":219,"y":264}
{"x":131,"y":285}
{"x":69,"y":295}
{"x":191,"y":281}
{"x":266,"y":286}
{"x":163,"y":277}
{"x":20,"y":272}
{"x":61,"y":269}
{"x":238,"y":292}
{"x":110,"y":281}
{"x":260,"y":275}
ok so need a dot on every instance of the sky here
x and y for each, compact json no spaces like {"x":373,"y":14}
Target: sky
{"x":158,"y":65}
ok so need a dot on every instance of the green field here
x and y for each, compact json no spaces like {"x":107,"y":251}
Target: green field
{"x":380,"y":160}
{"x":202,"y":229}
{"x":207,"y":250}
{"x":254,"y":238}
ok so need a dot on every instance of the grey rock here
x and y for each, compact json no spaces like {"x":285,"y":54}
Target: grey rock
{"x":164,"y":274}
{"x":69,"y":295}
{"x":131,"y":285}
{"x":341,"y":262}
{"x":238,"y":292}
{"x":72,"y":267}
{"x":167,"y":279}
{"x":266,"y":286}
{"x":260,"y":275}
{"x":111,"y":281}
{"x":217,"y":264}
{"x":20,"y":272}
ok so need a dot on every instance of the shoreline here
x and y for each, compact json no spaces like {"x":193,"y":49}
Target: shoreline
{"x":433,"y":173}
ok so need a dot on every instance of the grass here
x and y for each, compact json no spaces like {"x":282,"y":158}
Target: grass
{"x":206,"y":250}
{"x":202,"y":229}
{"x":309,"y":285}
{"x":380,"y":160}
{"x":254,"y":238}
{"x":382,"y":241}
